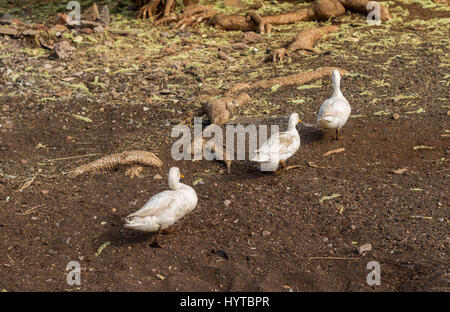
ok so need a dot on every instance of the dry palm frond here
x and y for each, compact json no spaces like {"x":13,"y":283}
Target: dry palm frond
{"x":115,"y":160}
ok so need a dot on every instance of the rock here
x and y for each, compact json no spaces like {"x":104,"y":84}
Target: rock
{"x":395,"y":116}
{"x":157,"y":177}
{"x":239,"y":46}
{"x":31,"y":32}
{"x":86,"y":30}
{"x":220,"y":253}
{"x":58,"y":29}
{"x":91,"y":14}
{"x":227,"y":203}
{"x":104,"y":14}
{"x":44,"y":192}
{"x":252,"y":37}
{"x":221,"y":55}
{"x":62,"y":19}
{"x":63,"y":50}
{"x":99,"y":29}
{"x":9,"y":31}
{"x":6,"y":17}
{"x":364,"y":248}
{"x":46,"y":39}
{"x":52,"y":252}
{"x":265,"y":233}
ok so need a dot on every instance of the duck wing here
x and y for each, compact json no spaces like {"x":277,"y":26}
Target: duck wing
{"x":334,"y":107}
{"x":156,"y":205}
{"x":281,"y":143}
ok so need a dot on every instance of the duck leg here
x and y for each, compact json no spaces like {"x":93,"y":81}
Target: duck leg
{"x":171,"y":230}
{"x":156,"y":243}
{"x":338,"y":134}
{"x":280,"y":169}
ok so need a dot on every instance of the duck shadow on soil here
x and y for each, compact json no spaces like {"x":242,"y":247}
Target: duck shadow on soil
{"x":118,"y":235}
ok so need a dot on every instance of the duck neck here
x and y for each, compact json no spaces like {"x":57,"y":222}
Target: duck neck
{"x":337,"y":88}
{"x":174,"y":184}
{"x":291,"y":126}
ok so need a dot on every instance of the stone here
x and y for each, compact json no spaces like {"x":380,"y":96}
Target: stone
{"x":63,"y":50}
{"x":364,"y":248}
{"x":99,"y":29}
{"x":105,"y":17}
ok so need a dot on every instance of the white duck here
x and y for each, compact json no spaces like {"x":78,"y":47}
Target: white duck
{"x":279,"y":147}
{"x":334,"y":112}
{"x":165,"y":208}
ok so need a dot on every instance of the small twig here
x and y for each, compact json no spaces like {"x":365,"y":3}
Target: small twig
{"x":31,"y":210}
{"x":332,"y":258}
{"x":338,"y":150}
{"x":293,"y":167}
{"x":72,"y":157}
{"x":27,"y":184}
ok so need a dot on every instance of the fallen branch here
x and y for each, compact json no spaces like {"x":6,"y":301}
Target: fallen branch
{"x":218,"y":151}
{"x":360,"y":6}
{"x":218,"y":110}
{"x":304,"y":42}
{"x":148,"y":9}
{"x":191,"y":14}
{"x":115,"y":160}
{"x":318,"y":11}
{"x":263,"y":26}
{"x":295,"y":79}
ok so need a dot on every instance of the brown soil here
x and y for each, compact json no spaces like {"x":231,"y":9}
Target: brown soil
{"x":274,"y":226}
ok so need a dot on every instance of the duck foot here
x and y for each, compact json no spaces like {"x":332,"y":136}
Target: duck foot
{"x":278,"y":171}
{"x":338,"y":135}
{"x":171,"y":230}
{"x":156,"y":243}
{"x":281,"y":169}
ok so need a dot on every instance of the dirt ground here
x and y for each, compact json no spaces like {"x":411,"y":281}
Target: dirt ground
{"x":280,"y":233}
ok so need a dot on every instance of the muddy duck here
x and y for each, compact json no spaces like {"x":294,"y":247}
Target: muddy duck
{"x":279,"y":148}
{"x":165,"y":208}
{"x":334,"y":112}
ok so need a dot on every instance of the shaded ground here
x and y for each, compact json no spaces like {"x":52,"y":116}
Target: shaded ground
{"x":275,"y":225}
